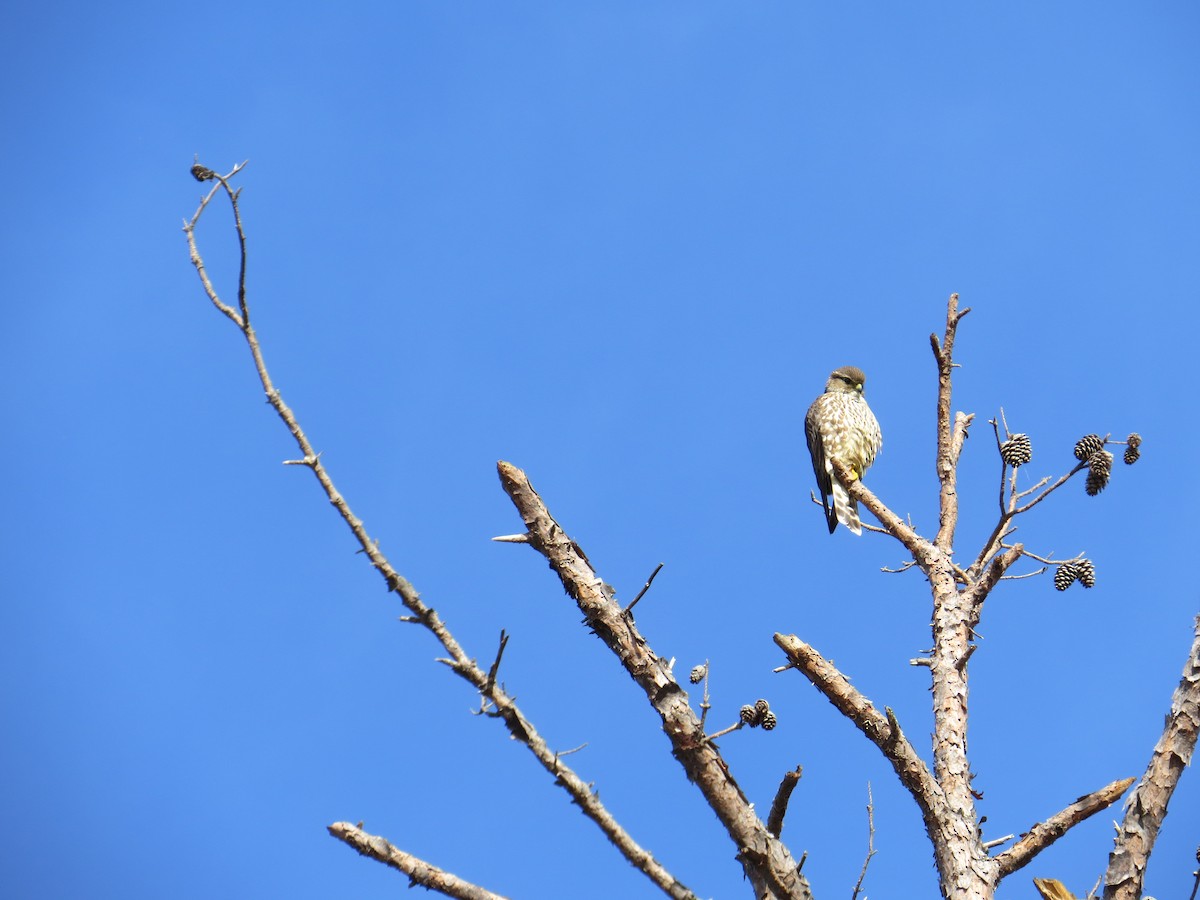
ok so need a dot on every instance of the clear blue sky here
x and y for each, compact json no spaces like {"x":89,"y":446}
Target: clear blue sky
{"x":620,"y":245}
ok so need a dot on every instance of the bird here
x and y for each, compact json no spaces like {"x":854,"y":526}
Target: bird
{"x":840,"y":425}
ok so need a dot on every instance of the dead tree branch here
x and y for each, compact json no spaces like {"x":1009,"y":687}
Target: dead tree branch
{"x":1043,"y":834}
{"x":418,"y":871}
{"x":947,"y":469}
{"x":1147,"y":806}
{"x":870,"y":843}
{"x":779,"y":806}
{"x":880,"y":729}
{"x":766,"y":860}
{"x":642,"y":592}
{"x":892,"y":523}
{"x":504,"y":705}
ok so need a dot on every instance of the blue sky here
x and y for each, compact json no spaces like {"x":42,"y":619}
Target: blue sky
{"x":620,"y":245}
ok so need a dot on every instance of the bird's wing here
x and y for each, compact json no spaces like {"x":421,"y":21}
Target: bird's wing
{"x":816,"y":450}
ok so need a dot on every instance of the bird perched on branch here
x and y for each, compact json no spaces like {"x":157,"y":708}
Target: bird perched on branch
{"x":840,"y":425}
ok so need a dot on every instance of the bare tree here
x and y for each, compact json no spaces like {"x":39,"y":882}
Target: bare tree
{"x":967,"y":866}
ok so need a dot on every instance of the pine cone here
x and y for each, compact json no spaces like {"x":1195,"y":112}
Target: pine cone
{"x":1133,"y":451}
{"x":698,"y":673}
{"x":763,"y":707}
{"x":769,"y":721}
{"x":200,"y":173}
{"x":749,"y":715}
{"x":1086,"y":572}
{"x":1016,"y":451}
{"x":1087,"y":445}
{"x":1065,"y":576}
{"x":1099,"y":468}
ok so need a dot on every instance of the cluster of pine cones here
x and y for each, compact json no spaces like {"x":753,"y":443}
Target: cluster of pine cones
{"x":1081,"y":569}
{"x":759,"y":714}
{"x":1017,"y":451}
{"x":1089,"y":449}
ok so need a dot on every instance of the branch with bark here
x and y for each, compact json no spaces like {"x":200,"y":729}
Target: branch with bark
{"x":418,"y":871}
{"x":767,"y":861}
{"x":941,"y":788}
{"x":1147,"y":807}
{"x":944,"y":794}
{"x":497,"y":702}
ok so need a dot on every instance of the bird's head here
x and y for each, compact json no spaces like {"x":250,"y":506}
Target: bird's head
{"x":846,"y":380}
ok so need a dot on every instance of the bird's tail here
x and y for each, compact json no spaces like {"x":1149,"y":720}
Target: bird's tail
{"x":846,"y":508}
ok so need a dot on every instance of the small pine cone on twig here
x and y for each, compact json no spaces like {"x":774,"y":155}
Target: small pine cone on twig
{"x":1099,"y":468}
{"x":769,"y":721}
{"x":1133,"y":451}
{"x":201,"y":173}
{"x":1087,"y":445}
{"x":1017,"y":450}
{"x":1086,"y":572}
{"x":1065,"y":576}
{"x":763,"y":707}
{"x":749,"y":715}
{"x":697,"y":674}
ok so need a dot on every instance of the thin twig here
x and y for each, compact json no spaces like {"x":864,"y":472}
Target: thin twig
{"x":1050,"y":490}
{"x":491,"y":675}
{"x":1033,"y":488}
{"x":996,"y":842}
{"x":1050,"y":562}
{"x":870,"y":843}
{"x":645,"y":587}
{"x":705,"y":704}
{"x":1032,"y":574}
{"x":736,"y":726}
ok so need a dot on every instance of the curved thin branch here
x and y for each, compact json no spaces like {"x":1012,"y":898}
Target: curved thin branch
{"x":505,"y":706}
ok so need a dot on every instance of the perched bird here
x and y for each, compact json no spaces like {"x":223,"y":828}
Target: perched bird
{"x":840,"y":425}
